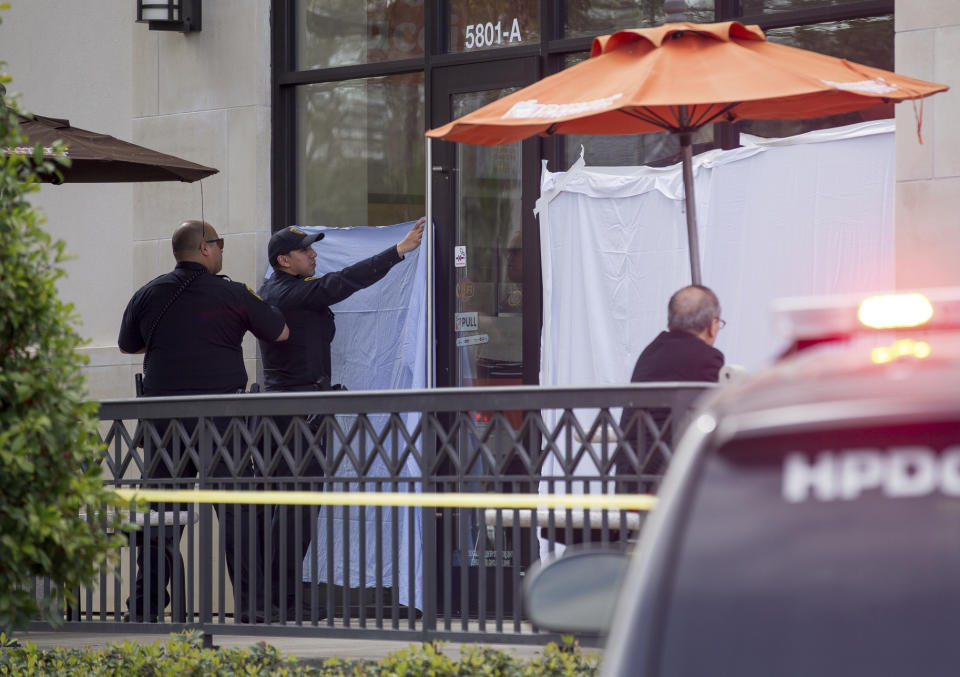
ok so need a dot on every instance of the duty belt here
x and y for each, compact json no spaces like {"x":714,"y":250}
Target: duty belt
{"x":321,"y":385}
{"x":308,"y":387}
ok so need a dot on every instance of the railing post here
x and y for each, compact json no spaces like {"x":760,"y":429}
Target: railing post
{"x":429,"y":523}
{"x":681,"y":411}
{"x":206,"y":525}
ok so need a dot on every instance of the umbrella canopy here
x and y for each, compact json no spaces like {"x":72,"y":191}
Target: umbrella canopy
{"x":679,"y":77}
{"x":100,"y":158}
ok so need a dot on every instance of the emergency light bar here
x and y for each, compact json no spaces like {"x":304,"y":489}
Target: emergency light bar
{"x":810,"y":320}
{"x":895,"y":310}
{"x":899,"y":349}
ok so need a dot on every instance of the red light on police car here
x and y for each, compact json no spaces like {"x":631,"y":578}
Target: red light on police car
{"x":902,"y":348}
{"x":896,"y":310}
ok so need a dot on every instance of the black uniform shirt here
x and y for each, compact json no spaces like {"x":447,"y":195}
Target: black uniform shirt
{"x":304,"y":358}
{"x":195,"y":347}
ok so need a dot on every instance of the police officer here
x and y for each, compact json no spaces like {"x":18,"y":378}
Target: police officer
{"x":190,"y":323}
{"x":302,"y":363}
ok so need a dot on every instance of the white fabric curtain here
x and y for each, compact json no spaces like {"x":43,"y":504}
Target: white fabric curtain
{"x":380,"y":344}
{"x":811,"y":214}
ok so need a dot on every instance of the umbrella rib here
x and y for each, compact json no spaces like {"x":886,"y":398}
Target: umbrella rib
{"x":648,"y":116}
{"x":657,"y":120}
{"x":708,"y":119}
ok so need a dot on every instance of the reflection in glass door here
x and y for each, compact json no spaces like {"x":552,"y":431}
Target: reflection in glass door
{"x":489,"y":288}
{"x":483,"y":199}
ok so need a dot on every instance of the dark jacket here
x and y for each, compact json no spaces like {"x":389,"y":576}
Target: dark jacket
{"x":678,"y":356}
{"x":196,"y":345}
{"x":304,"y":358}
{"x":672,"y":356}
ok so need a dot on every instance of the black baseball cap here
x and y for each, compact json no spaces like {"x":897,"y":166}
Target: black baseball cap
{"x":286,"y":240}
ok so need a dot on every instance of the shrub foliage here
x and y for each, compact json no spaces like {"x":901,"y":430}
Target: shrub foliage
{"x":49,"y":451}
{"x":184,"y":654}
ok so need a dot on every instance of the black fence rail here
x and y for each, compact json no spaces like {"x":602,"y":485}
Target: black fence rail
{"x":376,"y":571}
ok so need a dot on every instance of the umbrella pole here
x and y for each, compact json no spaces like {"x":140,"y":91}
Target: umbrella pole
{"x":428,"y":247}
{"x":693,"y":241}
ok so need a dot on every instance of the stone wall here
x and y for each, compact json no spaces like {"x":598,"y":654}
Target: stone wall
{"x":928,"y":175}
{"x":204,"y":96}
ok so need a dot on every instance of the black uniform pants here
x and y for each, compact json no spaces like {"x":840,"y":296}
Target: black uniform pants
{"x":292,"y":528}
{"x":238,"y":522}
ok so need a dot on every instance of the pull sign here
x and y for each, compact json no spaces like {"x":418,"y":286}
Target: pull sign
{"x":473,"y":340}
{"x":466,"y":321}
{"x":460,"y":256}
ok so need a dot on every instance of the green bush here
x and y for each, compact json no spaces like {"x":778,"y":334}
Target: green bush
{"x":184,"y":655}
{"x":49,"y":450}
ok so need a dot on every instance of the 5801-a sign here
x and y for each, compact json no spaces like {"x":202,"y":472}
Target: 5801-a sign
{"x":489,"y":34}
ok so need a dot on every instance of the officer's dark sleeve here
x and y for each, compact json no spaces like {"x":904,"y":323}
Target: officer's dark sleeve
{"x":266,"y":321}
{"x":335,"y":287}
{"x":130,"y":339}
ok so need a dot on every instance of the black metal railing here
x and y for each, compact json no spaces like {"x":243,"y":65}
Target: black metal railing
{"x":402,"y":572}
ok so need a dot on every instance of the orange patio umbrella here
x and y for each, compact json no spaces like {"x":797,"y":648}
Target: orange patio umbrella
{"x":679,"y":77}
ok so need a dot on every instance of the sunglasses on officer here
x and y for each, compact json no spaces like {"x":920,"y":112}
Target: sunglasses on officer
{"x":218,"y":241}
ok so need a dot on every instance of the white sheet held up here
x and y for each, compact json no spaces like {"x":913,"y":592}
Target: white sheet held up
{"x":812,"y":214}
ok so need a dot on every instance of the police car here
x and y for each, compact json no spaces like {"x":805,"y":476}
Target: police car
{"x":809,"y":523}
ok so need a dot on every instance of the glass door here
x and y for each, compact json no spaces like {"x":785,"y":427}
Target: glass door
{"x":488,"y":300}
{"x":483,"y":202}
{"x":488,"y":305}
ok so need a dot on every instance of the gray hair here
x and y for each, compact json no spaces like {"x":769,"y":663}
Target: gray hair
{"x":692,"y":309}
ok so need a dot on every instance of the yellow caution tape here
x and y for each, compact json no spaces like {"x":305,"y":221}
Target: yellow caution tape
{"x":451,"y":500}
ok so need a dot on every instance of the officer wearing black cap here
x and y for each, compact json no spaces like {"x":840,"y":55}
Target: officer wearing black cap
{"x":190,"y":323}
{"x":302,"y":363}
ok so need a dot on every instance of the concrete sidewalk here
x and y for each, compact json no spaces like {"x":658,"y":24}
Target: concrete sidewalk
{"x":309,"y":649}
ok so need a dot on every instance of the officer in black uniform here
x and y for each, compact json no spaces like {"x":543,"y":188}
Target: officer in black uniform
{"x":302,"y":363}
{"x":190,"y":323}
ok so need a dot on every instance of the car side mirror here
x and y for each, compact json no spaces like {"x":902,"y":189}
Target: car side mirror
{"x":576,"y":592}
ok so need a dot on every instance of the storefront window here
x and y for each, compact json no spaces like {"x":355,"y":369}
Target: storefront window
{"x":772,"y":6}
{"x":491,"y":24}
{"x":868,"y":41}
{"x":355,"y":150}
{"x":344,"y":32}
{"x":360,"y":151}
{"x":585,"y":18}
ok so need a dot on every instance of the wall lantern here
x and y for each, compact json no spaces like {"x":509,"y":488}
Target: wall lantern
{"x":169,"y":15}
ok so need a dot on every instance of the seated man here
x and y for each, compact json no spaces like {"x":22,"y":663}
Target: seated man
{"x":684,"y":352}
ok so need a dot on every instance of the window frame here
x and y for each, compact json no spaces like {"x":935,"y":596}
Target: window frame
{"x":551,"y":50}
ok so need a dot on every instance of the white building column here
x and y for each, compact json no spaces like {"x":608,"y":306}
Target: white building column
{"x":928,"y":175}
